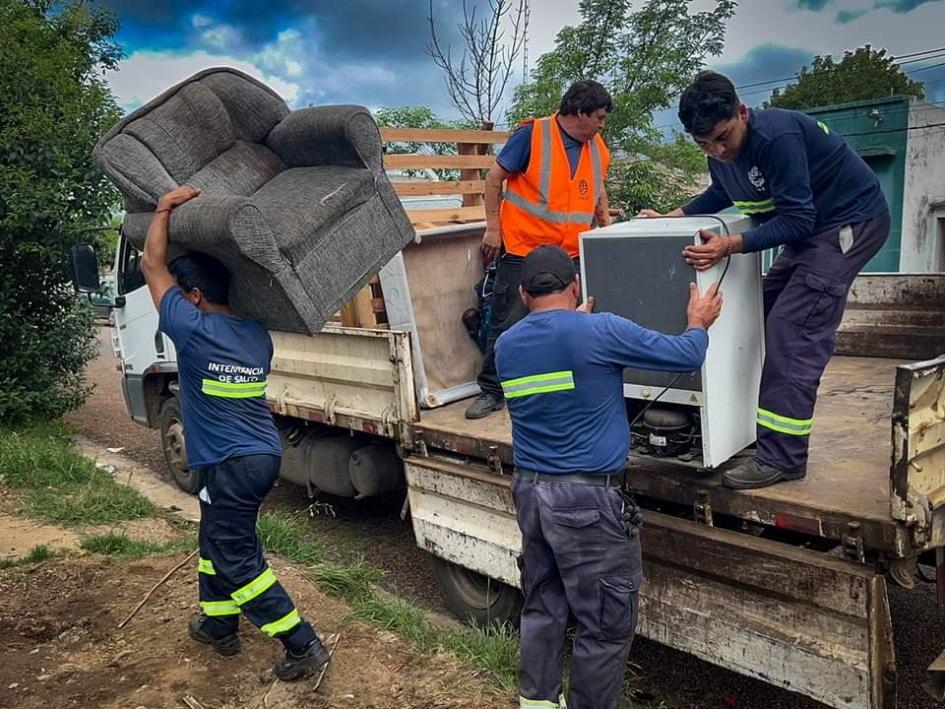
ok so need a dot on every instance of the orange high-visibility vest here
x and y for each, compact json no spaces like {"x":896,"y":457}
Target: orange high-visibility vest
{"x":544,"y":204}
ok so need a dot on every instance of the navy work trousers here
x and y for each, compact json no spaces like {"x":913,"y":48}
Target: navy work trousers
{"x":578,"y":558}
{"x":234,"y":576}
{"x":805,"y":292}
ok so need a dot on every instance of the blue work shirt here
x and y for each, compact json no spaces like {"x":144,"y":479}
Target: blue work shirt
{"x":515,"y":155}
{"x":794,"y":175}
{"x":562,"y":374}
{"x":222,"y":363}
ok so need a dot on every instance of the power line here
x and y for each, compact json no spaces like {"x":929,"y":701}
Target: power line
{"x":926,"y":68}
{"x":915,"y":54}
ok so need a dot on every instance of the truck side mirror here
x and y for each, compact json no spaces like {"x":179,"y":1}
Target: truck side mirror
{"x":84,"y":264}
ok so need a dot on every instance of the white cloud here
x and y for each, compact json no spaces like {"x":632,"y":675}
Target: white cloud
{"x":763,"y":22}
{"x":144,"y":75}
{"x":200,"y":21}
{"x":220,"y":37}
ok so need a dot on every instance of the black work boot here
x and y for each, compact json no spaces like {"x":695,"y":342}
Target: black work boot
{"x":199,"y":631}
{"x":297,"y":664}
{"x":753,"y":474}
{"x":484,"y":405}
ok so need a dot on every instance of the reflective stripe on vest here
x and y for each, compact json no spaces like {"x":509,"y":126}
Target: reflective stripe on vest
{"x":233,"y":390}
{"x":285,"y":623}
{"x":784,"y":424}
{"x":759,"y":207}
{"x":538,"y":384}
{"x":205,"y":566}
{"x":254,"y":588}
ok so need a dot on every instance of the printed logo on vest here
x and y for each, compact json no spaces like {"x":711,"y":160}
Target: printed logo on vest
{"x":756,"y":178}
{"x":583,"y":189}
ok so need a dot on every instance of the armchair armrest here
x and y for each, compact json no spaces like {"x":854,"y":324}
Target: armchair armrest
{"x":213,"y":224}
{"x":328,"y":135}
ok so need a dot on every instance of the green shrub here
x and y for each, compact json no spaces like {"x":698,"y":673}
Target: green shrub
{"x":56,"y":104}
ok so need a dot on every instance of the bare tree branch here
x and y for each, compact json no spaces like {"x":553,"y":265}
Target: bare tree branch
{"x":477,"y":82}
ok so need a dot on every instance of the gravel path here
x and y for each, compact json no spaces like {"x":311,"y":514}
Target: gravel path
{"x":373,"y":530}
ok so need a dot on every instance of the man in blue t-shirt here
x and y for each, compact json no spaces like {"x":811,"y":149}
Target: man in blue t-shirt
{"x":561,"y":370}
{"x":819,"y":201}
{"x":223,"y":362}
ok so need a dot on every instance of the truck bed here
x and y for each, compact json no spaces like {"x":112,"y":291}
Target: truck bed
{"x":848,"y":473}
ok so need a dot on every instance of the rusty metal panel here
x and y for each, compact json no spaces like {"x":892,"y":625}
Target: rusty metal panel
{"x":918,"y":455}
{"x":349,"y":377}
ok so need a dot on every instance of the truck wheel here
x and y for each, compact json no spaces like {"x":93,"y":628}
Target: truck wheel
{"x":475,"y":598}
{"x":175,"y":449}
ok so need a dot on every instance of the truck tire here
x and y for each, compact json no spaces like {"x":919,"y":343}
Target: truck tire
{"x":475,"y":598}
{"x":175,"y":448}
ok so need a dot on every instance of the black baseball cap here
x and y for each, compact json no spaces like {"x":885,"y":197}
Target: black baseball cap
{"x":547,"y":269}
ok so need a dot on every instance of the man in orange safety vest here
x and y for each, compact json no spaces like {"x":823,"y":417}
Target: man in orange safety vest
{"x":553,"y":169}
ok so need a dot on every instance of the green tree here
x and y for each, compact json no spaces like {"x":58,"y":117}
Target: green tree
{"x":864,"y":73}
{"x":55,"y":106}
{"x":645,"y":57}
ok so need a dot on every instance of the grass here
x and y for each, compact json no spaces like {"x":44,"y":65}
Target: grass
{"x":59,"y":485}
{"x":121,"y":545}
{"x":493,"y":649}
{"x":37,"y":554}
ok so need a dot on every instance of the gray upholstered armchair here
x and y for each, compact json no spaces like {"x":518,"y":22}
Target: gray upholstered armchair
{"x":295,"y":203}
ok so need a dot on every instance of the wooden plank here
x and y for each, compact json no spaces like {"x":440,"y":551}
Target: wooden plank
{"x":763,"y":565}
{"x":882,"y":651}
{"x":349,"y":317}
{"x":425,"y":187}
{"x":471,"y":200}
{"x":452,"y":214}
{"x":437,"y":135}
{"x":418,"y":161}
{"x":362,"y":306}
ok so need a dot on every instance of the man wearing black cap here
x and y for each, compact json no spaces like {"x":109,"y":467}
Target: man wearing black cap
{"x":561,"y":370}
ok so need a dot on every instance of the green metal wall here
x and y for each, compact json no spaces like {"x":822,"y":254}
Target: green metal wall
{"x":876,"y":130}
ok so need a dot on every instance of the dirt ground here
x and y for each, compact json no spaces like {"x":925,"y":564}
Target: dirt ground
{"x":62,"y":648}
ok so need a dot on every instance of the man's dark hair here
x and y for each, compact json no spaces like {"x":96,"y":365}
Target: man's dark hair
{"x":709,"y":99}
{"x":204,"y":272}
{"x":587,"y":97}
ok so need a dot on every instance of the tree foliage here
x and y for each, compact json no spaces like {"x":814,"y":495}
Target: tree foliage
{"x":645,"y":57}
{"x":55,"y":106}
{"x":864,"y":73}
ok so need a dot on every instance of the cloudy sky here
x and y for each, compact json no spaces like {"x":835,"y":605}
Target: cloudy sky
{"x":372,"y":52}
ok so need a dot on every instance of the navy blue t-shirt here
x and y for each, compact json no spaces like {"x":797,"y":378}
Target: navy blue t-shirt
{"x":514,"y":156}
{"x":562,"y":374}
{"x":794,"y":175}
{"x":223,"y":362}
